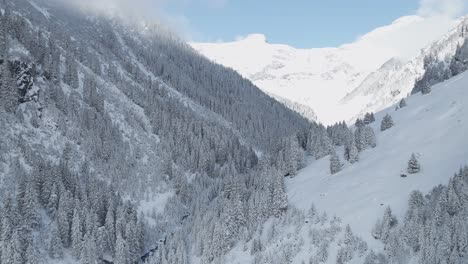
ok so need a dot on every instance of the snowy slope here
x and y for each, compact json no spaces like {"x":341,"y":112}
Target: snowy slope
{"x":320,"y":77}
{"x":394,"y":80}
{"x":433,"y":126}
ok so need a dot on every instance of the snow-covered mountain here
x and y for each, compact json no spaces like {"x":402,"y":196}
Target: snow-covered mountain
{"x":319,"y":78}
{"x":431,"y":126}
{"x":396,"y":80}
{"x":115,"y":136}
{"x":121,"y":144}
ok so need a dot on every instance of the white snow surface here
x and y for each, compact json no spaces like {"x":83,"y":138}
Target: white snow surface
{"x":320,"y":77}
{"x":433,"y":126}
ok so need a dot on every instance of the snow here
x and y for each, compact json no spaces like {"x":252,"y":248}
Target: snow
{"x":154,"y":205}
{"x":320,"y":77}
{"x":43,"y":11}
{"x":433,"y":126}
{"x":395,"y":80}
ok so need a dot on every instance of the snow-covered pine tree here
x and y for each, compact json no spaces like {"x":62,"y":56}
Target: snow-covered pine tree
{"x":368,"y":118}
{"x":370,"y":139}
{"x":359,"y":123}
{"x":32,"y":255}
{"x":402,"y":103}
{"x":351,"y":153}
{"x":387,"y":122}
{"x":279,"y":198}
{"x":413,"y":165}
{"x":389,"y":221}
{"x":76,"y":235}
{"x":335,"y":163}
{"x":426,"y":89}
{"x":122,"y":252}
{"x":55,"y":245}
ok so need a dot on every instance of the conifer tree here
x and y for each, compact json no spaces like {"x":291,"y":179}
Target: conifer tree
{"x":335,"y":163}
{"x":279,"y":198}
{"x":402,"y":103}
{"x":121,"y":251}
{"x":55,"y":245}
{"x":387,"y":122}
{"x":76,"y":235}
{"x":351,"y":153}
{"x":413,"y":165}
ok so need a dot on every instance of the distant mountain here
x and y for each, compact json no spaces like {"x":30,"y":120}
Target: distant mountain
{"x":395,"y":80}
{"x":320,"y":78}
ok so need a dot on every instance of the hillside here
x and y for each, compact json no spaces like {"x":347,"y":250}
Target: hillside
{"x":332,"y":218}
{"x":117,"y":134}
{"x":433,"y":126}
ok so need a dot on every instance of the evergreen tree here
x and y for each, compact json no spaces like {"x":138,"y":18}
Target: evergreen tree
{"x":387,"y":122}
{"x":413,"y":165}
{"x":76,"y":235}
{"x":30,"y":206}
{"x":370,"y":140}
{"x":121,"y":251}
{"x":369,"y":118}
{"x":403,"y":103}
{"x":389,"y":221}
{"x":335,"y":163}
{"x":426,"y":89}
{"x":351,"y":153}
{"x":55,"y":246}
{"x":279,"y":198}
{"x":32,"y":255}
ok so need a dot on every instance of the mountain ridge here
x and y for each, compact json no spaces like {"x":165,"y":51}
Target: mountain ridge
{"x":319,"y":78}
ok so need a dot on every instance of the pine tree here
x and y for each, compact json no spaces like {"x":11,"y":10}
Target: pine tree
{"x":63,"y":219}
{"x":279,"y":198}
{"x":322,"y":253}
{"x":388,"y":222}
{"x":89,"y":253}
{"x":335,"y":163}
{"x":426,"y":89}
{"x":30,"y":206}
{"x":55,"y":246}
{"x":17,"y":248}
{"x":403,"y":103}
{"x":32,"y":255}
{"x":387,"y":123}
{"x":110,"y":228}
{"x":413,"y":165}
{"x":76,"y":235}
{"x":369,"y":118}
{"x":121,"y":251}
{"x":351,"y":152}
{"x":370,"y":140}
{"x":377,"y":230}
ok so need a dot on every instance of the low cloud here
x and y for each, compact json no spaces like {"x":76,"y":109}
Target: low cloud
{"x":150,"y":10}
{"x":448,"y":8}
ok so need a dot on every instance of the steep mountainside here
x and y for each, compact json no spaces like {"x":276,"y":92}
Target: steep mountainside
{"x":432,"y":126}
{"x":319,"y":78}
{"x":393,"y":81}
{"x":115,"y":135}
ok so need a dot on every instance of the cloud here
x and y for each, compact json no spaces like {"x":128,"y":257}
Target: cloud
{"x":449,"y":8}
{"x":156,"y":11}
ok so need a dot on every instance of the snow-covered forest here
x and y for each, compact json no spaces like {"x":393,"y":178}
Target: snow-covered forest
{"x":121,"y":144}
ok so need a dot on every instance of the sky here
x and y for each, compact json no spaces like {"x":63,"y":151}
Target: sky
{"x":299,"y":23}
